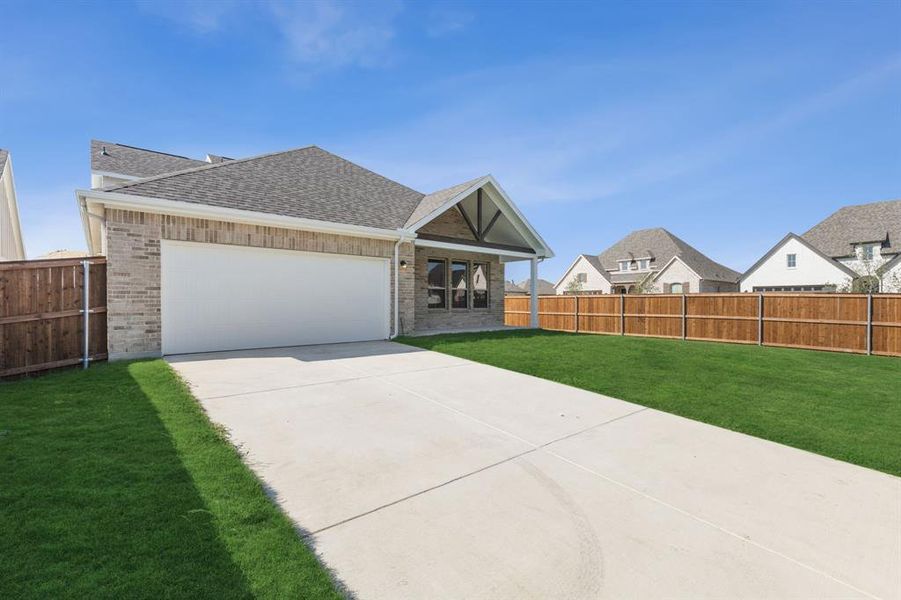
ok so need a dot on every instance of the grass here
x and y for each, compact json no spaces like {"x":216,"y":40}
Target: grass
{"x":114,"y":484}
{"x":839,"y":405}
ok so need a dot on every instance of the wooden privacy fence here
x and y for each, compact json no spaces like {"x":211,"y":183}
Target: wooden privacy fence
{"x":840,"y":322}
{"x":43,"y":317}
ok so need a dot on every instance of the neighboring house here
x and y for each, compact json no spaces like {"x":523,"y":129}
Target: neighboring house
{"x":856,"y":248}
{"x":545,"y":288}
{"x":647,"y":261}
{"x":63,"y":254}
{"x":11,"y":245}
{"x":290,"y":248}
{"x":511,"y":289}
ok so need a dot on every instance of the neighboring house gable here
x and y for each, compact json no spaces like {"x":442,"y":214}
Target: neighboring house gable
{"x":795,"y":265}
{"x":587,"y":270}
{"x":11,"y":245}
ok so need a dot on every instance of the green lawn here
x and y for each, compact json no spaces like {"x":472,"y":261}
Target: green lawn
{"x":115,"y":485}
{"x":839,"y":405}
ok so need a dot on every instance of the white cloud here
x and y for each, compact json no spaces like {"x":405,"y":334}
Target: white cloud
{"x":447,"y":21}
{"x":199,"y":16}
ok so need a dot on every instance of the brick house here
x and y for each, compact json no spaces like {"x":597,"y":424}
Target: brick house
{"x":291,"y":248}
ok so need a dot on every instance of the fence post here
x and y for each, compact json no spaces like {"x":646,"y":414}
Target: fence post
{"x":683,"y":316}
{"x":760,"y":319}
{"x":576,"y":315}
{"x":869,"y":324}
{"x":622,"y":314}
{"x":86,"y":303}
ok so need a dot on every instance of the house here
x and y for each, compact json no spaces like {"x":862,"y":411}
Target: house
{"x":11,"y":245}
{"x":647,"y":261}
{"x":511,"y":289}
{"x":63,"y":253}
{"x":544,"y":287}
{"x":856,"y":248}
{"x":290,"y":248}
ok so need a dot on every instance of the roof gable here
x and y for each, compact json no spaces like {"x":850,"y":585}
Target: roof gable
{"x":836,"y":235}
{"x":3,"y":156}
{"x":592,"y":261}
{"x":800,"y":240}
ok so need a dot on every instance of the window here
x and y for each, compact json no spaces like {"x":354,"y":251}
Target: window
{"x":437,"y":283}
{"x":866,"y":251}
{"x":480,"y":285}
{"x":624,"y":265}
{"x":643,"y":264}
{"x":459,"y":277}
{"x":791,"y":260}
{"x":676,"y":288}
{"x":582,"y":277}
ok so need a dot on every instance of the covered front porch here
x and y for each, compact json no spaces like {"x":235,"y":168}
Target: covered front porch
{"x":459,"y":255}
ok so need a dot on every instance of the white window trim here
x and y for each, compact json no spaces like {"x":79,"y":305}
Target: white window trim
{"x":788,"y":262}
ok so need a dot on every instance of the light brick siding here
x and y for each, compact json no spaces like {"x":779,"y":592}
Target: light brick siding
{"x":449,"y":224}
{"x":133,"y":280}
{"x":444,"y":319}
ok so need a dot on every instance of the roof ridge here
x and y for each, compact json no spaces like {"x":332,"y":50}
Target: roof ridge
{"x":203,"y":167}
{"x":147,"y":150}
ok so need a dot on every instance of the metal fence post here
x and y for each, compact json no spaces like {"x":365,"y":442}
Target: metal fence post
{"x":760,"y":319}
{"x":86,"y":303}
{"x":683,"y":316}
{"x":869,"y":324}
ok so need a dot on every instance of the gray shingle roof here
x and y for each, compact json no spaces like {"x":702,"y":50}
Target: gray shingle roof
{"x":662,"y":246}
{"x":307,"y":183}
{"x":434,"y":200}
{"x":136,"y":162}
{"x":512,"y":288}
{"x":836,"y":235}
{"x":544,"y":287}
{"x":3,"y":156}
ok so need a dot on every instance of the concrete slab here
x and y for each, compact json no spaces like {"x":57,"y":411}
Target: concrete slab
{"x":534,"y":409}
{"x":333,"y":451}
{"x":800,"y":504}
{"x":538,"y":527}
{"x":422,"y":475}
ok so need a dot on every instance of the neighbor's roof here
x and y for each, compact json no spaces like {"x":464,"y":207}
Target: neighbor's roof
{"x":662,"y":246}
{"x":545,"y":287}
{"x":136,"y":162}
{"x":4,"y":154}
{"x":307,"y":183}
{"x":512,"y":288}
{"x":836,"y":235}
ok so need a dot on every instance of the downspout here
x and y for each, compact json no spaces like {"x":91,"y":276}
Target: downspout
{"x":404,"y":236}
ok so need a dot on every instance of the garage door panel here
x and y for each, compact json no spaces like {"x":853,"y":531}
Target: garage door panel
{"x":217,"y":297}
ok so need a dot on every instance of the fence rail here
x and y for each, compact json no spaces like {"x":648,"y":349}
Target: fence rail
{"x":855,"y":323}
{"x":43,"y":317}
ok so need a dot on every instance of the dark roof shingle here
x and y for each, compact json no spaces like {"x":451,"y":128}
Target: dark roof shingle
{"x":307,"y":183}
{"x":836,"y":235}
{"x":136,"y":162}
{"x":662,"y":246}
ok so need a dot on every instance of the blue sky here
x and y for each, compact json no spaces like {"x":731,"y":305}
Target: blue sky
{"x":728,"y":123}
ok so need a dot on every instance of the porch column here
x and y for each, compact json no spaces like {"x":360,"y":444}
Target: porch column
{"x":533,"y":294}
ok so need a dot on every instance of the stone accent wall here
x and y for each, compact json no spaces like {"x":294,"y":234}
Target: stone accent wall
{"x":133,"y":269}
{"x":449,"y":224}
{"x":447,"y":319}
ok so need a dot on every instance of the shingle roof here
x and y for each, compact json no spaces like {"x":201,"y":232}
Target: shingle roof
{"x":662,"y":245}
{"x":136,"y":162}
{"x":434,"y":200}
{"x":544,"y":287}
{"x":3,"y":156}
{"x":836,"y":235}
{"x":307,"y":183}
{"x":512,"y":288}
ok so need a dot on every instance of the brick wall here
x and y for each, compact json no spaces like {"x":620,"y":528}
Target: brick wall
{"x":430,"y":319}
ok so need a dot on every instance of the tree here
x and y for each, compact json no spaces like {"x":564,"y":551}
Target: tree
{"x":647,"y":285}
{"x":574,"y":286}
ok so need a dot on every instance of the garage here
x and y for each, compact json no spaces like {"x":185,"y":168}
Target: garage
{"x":223,"y":297}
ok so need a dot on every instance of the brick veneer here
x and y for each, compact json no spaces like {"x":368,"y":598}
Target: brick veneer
{"x":133,"y":272}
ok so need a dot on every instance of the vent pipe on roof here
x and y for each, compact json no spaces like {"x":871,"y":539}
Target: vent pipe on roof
{"x":103,"y":151}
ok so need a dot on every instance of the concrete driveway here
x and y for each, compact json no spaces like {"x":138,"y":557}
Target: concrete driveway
{"x":420,"y":475}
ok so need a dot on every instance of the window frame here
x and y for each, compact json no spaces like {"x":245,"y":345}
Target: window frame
{"x":472,"y":289}
{"x":627,"y":263}
{"x":867,"y":251}
{"x":450,"y":280}
{"x":791,"y":260}
{"x":430,"y":287}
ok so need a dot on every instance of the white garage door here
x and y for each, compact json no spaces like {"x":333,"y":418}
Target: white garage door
{"x":217,"y":297}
